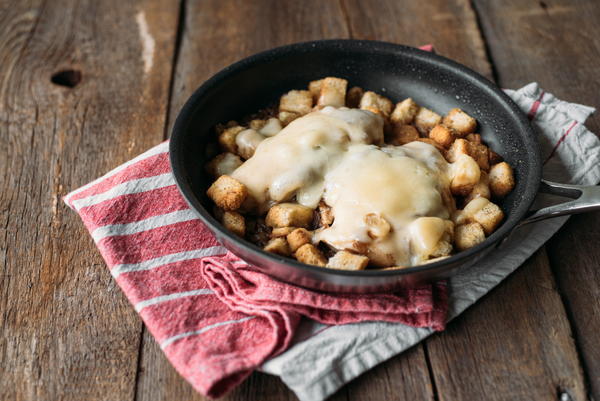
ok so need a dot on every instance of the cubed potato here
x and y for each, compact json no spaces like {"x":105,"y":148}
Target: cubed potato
{"x":224,"y":163}
{"x":464,"y":175}
{"x":475,"y":138}
{"x":442,"y":135}
{"x":433,"y":143}
{"x":425,"y":120}
{"x":325,"y":214}
{"x":481,"y":189}
{"x":477,"y":151}
{"x":459,"y":147}
{"x":460,"y":121}
{"x":222,"y":127}
{"x":227,"y":193}
{"x":376,"y":103}
{"x":287,"y":117}
{"x":402,"y":134}
{"x":227,"y":138}
{"x":314,"y":87}
{"x":278,"y":246}
{"x":234,"y":222}
{"x":348,"y":261}
{"x":309,"y":254}
{"x":333,"y":92}
{"x":353,"y":97}
{"x":298,"y":237}
{"x":377,"y":226}
{"x":257,"y":124}
{"x":502,"y":180}
{"x":404,"y":112}
{"x":379,"y":257}
{"x":289,"y":215}
{"x":271,"y":127}
{"x":468,"y":235}
{"x":247,"y":141}
{"x":482,"y":211}
{"x":296,"y":101}
{"x":494,"y":157}
{"x":282,"y":231}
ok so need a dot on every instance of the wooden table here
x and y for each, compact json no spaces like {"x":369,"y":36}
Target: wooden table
{"x":85,"y":86}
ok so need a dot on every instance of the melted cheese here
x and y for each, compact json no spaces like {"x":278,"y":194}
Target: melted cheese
{"x":386,"y":201}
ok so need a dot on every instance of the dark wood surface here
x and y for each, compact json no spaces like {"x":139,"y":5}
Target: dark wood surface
{"x":67,"y":331}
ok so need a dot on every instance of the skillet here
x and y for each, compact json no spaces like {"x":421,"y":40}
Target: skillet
{"x":394,"y":71}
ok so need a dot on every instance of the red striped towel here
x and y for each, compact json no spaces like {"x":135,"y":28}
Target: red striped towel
{"x":215,"y":317}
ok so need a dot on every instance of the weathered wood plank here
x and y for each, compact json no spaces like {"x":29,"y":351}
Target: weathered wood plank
{"x":452,"y":28}
{"x":66,"y":331}
{"x":557,"y":43}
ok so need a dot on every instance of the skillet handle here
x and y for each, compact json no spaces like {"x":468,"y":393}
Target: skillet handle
{"x":585,"y":199}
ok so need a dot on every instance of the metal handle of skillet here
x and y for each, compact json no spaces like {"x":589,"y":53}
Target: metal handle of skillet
{"x":584,"y":199}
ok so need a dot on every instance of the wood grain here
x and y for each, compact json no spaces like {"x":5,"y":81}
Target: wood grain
{"x":557,"y":44}
{"x":67,"y":332}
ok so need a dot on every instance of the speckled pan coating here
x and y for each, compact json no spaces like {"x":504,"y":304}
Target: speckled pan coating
{"x":392,"y":70}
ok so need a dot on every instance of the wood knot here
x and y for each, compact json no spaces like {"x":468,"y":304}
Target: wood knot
{"x":67,"y":78}
{"x":543,"y":5}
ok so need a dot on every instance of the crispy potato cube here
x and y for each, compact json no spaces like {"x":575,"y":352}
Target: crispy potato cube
{"x":289,"y":215}
{"x":460,"y":121}
{"x":325,"y":215}
{"x":464,"y":174}
{"x":480,"y":154}
{"x":247,"y":141}
{"x":227,"y":193}
{"x":235,"y":222}
{"x":345,"y":260}
{"x":271,"y":127}
{"x":224,"y":163}
{"x":378,"y":257}
{"x":433,"y":143}
{"x":494,"y":157}
{"x":502,"y":180}
{"x":296,"y":101}
{"x":227,"y":138}
{"x":481,"y":189}
{"x":353,"y":97}
{"x":489,"y":217}
{"x":278,"y":246}
{"x":425,"y":120}
{"x":281,"y":231}
{"x":442,"y":135}
{"x":378,"y":227}
{"x":314,"y":87}
{"x":222,"y":127}
{"x":287,"y":117}
{"x":257,"y":124}
{"x":298,"y":237}
{"x":404,"y":112}
{"x":459,"y":147}
{"x":376,"y":103}
{"x":468,"y":235}
{"x":309,"y":254}
{"x":333,"y":92}
{"x":475,"y":138}
{"x":402,"y":134}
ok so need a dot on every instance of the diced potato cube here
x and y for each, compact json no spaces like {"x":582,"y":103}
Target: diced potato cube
{"x":460,"y":121}
{"x":222,"y":127}
{"x":282,"y":231}
{"x":227,"y":193}
{"x":271,"y":127}
{"x":425,"y":120}
{"x":442,"y":135}
{"x":278,"y":246}
{"x":404,"y":112}
{"x":314,"y":87}
{"x":289,"y":215}
{"x":227,"y":139}
{"x":296,"y":101}
{"x":376,"y":103}
{"x":309,"y":254}
{"x":468,"y":235}
{"x":287,"y":117}
{"x":298,"y":237}
{"x":481,"y":189}
{"x":224,"y":163}
{"x":475,"y":138}
{"x":458,"y":147}
{"x":379,"y":257}
{"x":402,"y":134}
{"x":482,"y":211}
{"x":433,"y":143}
{"x":257,"y":124}
{"x":333,"y":92}
{"x":502,"y":180}
{"x":353,"y":97}
{"x":348,"y":261}
{"x":465,"y":174}
{"x":378,"y":227}
{"x":247,"y":141}
{"x":235,"y":222}
{"x":325,"y":215}
{"x":477,"y":151}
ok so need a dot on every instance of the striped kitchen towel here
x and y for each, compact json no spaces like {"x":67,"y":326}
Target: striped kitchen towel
{"x":214,"y":316}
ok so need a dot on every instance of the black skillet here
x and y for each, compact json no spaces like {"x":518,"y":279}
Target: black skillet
{"x":396,"y":72}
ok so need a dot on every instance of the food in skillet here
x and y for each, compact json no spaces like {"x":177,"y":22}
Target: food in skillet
{"x":345,"y":179}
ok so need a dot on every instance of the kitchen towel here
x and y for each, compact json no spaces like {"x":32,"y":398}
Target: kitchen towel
{"x":156,"y":249}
